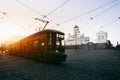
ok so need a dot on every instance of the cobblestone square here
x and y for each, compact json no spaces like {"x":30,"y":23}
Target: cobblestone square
{"x":80,"y":65}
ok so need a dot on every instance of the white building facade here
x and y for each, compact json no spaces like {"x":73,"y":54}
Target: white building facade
{"x":102,"y":37}
{"x":77,"y":38}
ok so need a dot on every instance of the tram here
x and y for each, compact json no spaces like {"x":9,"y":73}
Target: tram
{"x":46,"y":45}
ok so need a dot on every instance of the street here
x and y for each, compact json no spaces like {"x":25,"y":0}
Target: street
{"x":80,"y":65}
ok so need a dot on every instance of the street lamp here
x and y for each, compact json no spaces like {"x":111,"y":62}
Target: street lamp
{"x":75,"y":33}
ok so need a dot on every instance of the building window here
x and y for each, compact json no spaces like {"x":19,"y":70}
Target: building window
{"x":99,"y":37}
{"x":102,"y":37}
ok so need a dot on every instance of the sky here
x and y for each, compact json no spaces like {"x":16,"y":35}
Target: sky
{"x":17,"y":17}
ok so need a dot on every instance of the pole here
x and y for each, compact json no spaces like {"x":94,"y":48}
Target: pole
{"x":75,"y":42}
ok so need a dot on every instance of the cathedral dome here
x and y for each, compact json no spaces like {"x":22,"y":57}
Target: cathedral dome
{"x":76,"y":26}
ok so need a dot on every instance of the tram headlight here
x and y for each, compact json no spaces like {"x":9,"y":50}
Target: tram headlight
{"x":56,"y":51}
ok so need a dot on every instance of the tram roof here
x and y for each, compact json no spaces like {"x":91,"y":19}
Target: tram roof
{"x":44,"y":31}
{"x":52,"y":30}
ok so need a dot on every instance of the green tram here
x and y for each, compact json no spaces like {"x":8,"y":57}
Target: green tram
{"x":46,"y":45}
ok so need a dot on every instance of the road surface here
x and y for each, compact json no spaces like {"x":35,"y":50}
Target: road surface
{"x":80,"y":65}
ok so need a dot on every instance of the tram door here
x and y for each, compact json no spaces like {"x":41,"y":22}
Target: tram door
{"x":42,"y":48}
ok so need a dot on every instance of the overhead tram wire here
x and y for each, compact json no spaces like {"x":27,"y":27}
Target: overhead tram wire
{"x":19,"y":24}
{"x":29,"y":7}
{"x":92,"y":18}
{"x":56,"y":8}
{"x":13,"y":20}
{"x":107,"y":10}
{"x":115,"y":20}
{"x":31,"y":25}
{"x":44,"y":16}
{"x":111,"y":22}
{"x":2,"y":13}
{"x":10,"y":19}
{"x":5,"y":14}
{"x":90,"y":11}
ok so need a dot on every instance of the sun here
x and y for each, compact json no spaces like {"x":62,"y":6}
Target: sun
{"x":6,"y":33}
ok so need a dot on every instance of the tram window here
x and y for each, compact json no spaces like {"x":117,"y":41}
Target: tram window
{"x":63,"y":43}
{"x":50,"y":39}
{"x":60,"y":36}
{"x":59,"y":39}
{"x":35,"y":44}
{"x":30,"y":45}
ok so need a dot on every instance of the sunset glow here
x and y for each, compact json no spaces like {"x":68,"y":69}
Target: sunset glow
{"x":62,"y":15}
{"x":7,"y":33}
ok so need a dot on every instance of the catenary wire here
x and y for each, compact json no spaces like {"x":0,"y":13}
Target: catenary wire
{"x":57,"y":8}
{"x":90,"y":11}
{"x":44,"y":16}
{"x":92,"y":18}
{"x":29,"y":7}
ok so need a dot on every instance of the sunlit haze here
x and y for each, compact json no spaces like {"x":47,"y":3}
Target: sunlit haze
{"x":17,"y":17}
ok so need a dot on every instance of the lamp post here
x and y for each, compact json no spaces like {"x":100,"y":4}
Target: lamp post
{"x":75,"y":34}
{"x":75,"y":42}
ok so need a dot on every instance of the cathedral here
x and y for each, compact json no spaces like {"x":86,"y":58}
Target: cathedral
{"x":77,"y":38}
{"x":83,"y":42}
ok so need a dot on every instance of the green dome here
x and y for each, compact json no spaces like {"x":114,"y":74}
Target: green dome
{"x":76,"y":26}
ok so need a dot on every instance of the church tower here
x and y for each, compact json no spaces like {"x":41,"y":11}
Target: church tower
{"x":102,"y":37}
{"x":76,"y":38}
{"x":76,"y":32}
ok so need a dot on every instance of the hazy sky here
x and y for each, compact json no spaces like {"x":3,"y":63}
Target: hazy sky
{"x":18,"y":16}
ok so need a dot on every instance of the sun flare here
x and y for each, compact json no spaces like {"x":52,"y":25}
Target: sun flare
{"x":7,"y":33}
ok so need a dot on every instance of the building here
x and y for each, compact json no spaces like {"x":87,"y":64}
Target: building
{"x":102,"y":42}
{"x":79,"y":41}
{"x":102,"y":37}
{"x":77,"y":38}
